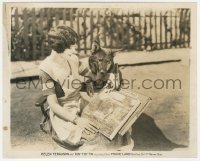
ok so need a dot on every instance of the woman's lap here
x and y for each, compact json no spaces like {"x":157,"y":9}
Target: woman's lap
{"x":101,"y":143}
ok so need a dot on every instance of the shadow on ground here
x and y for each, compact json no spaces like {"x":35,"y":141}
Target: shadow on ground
{"x":147,"y":136}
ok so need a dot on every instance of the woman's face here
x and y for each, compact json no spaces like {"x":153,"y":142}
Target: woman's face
{"x":74,"y":48}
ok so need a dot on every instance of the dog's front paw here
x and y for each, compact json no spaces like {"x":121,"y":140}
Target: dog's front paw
{"x":89,"y":88}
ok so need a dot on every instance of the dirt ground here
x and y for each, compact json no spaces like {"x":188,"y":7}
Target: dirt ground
{"x":163,"y":126}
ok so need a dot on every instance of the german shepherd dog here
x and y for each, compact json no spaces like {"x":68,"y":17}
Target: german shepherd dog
{"x":105,"y":73}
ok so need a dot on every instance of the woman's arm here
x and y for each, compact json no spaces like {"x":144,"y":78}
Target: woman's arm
{"x":58,"y":110}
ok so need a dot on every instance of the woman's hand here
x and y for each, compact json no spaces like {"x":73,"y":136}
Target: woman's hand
{"x":86,"y":125}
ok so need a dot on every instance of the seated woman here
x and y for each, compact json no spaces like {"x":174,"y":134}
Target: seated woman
{"x":59,"y":72}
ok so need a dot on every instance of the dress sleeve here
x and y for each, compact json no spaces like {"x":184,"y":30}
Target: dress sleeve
{"x":48,"y":85}
{"x":83,"y":68}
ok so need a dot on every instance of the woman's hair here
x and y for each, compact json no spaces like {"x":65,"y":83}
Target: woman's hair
{"x":61,"y":38}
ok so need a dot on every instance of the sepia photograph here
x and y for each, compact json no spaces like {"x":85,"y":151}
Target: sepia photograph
{"x":99,"y":80}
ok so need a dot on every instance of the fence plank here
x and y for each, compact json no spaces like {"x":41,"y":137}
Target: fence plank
{"x":180,"y":28}
{"x":185,"y":27}
{"x":189,"y":27}
{"x":104,"y":30}
{"x":111,"y":34}
{"x":16,"y":53}
{"x":78,"y":30}
{"x":156,"y":40}
{"x":25,"y":34}
{"x":161,"y":46}
{"x":16,"y":20}
{"x":145,"y":31}
{"x":64,"y":16}
{"x":84,"y":30}
{"x":98,"y":22}
{"x":133,"y":33}
{"x":34,"y":54}
{"x":128,"y":30}
{"x":171,"y":28}
{"x":41,"y":31}
{"x":165,"y":27}
{"x":120,"y":36}
{"x":133,"y":15}
{"x":176,"y":34}
{"x":150,"y":27}
{"x":57,"y":16}
{"x":92,"y":28}
{"x":71,"y":17}
{"x":140,"y":30}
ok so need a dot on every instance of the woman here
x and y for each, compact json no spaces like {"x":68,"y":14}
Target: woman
{"x":58,"y":73}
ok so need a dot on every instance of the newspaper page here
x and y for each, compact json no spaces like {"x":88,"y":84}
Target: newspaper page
{"x":51,"y":49}
{"x":111,"y":111}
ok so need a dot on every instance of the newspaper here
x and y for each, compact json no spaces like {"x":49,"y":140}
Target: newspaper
{"x":110,"y":111}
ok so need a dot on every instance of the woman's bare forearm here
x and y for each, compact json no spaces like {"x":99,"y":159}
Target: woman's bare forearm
{"x":58,"y":110}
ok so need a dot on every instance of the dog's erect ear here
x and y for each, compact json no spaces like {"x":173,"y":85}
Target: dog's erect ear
{"x":112,"y":53}
{"x":95,"y":47}
{"x":96,"y":44}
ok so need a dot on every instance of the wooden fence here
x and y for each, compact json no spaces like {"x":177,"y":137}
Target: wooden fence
{"x":128,"y":30}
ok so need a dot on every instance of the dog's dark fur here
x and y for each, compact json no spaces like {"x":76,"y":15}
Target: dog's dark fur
{"x":101,"y":62}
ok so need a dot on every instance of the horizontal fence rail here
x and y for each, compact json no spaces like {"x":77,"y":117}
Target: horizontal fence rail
{"x":132,"y":30}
